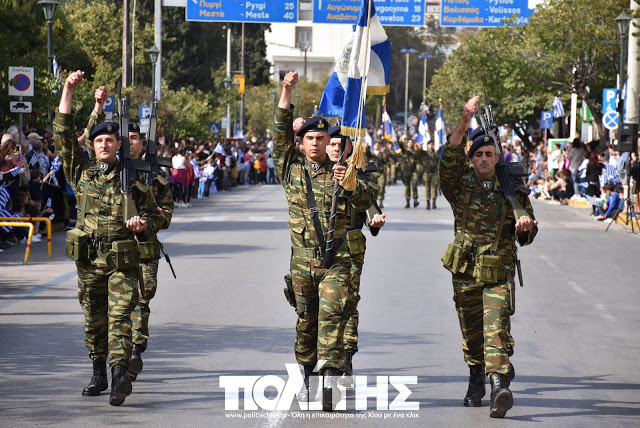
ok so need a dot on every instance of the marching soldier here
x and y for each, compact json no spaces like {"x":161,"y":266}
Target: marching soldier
{"x":149,"y":250}
{"x":430,"y":161}
{"x":407,"y":168}
{"x":482,"y":260}
{"x":356,"y":244}
{"x":103,"y":245}
{"x":391,"y":163}
{"x":377,"y":156}
{"x":324,"y":294}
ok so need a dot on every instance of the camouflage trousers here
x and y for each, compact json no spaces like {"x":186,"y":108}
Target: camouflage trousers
{"x":484,"y":316}
{"x":140,"y":315}
{"x":392,"y":173}
{"x":107,"y":297}
{"x":431,"y":186}
{"x":351,"y":330}
{"x":381,"y":180}
{"x":330,"y":300}
{"x":407,"y":179}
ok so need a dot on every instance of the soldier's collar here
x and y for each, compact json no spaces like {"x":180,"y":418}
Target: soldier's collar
{"x":314,"y":167}
{"x":487,"y":184}
{"x":106,"y":168}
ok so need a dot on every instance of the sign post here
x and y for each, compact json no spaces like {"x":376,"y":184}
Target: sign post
{"x":107,"y":109}
{"x":546,"y":122}
{"x":247,"y":11}
{"x":21,"y":85}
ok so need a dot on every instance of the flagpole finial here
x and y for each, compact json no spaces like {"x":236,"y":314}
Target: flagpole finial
{"x":440,"y":102}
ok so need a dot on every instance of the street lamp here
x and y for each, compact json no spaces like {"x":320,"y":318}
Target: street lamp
{"x":424,"y":77}
{"x":49,"y":8}
{"x":622,"y":21}
{"x":154,"y":53}
{"x":304,"y":47}
{"x":406,"y":90}
{"x":236,"y":85}
{"x":297,"y":96}
{"x":227,"y":85}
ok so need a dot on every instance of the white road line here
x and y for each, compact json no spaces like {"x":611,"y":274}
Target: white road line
{"x":604,"y":313}
{"x":576,"y":287}
{"x":548,"y":261}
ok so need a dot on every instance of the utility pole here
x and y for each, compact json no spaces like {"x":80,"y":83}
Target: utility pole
{"x":228,"y":134}
{"x":633,"y":68}
{"x":126,"y":46}
{"x":157,"y":39}
{"x":245,"y":79}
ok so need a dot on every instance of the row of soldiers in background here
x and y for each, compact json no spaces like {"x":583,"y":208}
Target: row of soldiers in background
{"x":327,"y":246}
{"x":416,"y":164}
{"x":116,"y":253}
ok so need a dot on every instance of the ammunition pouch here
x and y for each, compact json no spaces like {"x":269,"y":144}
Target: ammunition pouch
{"x":149,"y":250}
{"x":356,"y":242}
{"x":288,"y":291}
{"x":489,"y":269}
{"x":306,"y":305}
{"x":456,"y":259}
{"x":125,"y":254}
{"x":76,"y":246}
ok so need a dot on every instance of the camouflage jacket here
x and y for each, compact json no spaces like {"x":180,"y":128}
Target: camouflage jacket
{"x":161,"y":188}
{"x":104,"y":215}
{"x":377,"y":158}
{"x":290,"y":168}
{"x":485,"y":207}
{"x":430,"y":161}
{"x":407,"y":159}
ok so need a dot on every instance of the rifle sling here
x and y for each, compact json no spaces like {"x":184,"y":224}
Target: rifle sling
{"x":313,"y":208}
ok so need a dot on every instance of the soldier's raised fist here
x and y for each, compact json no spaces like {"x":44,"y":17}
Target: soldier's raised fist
{"x":102,"y":94}
{"x":470,"y":108}
{"x":290,"y":79}
{"x":74,"y":80}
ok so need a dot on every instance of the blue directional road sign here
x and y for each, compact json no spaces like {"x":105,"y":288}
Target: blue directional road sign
{"x":483,"y":13}
{"x":609,"y":113}
{"x":546,"y":120}
{"x":391,"y":12}
{"x":214,"y":128}
{"x":242,"y":10}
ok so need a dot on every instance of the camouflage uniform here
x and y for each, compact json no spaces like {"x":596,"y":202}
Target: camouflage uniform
{"x":162,"y":195}
{"x":107,"y":295}
{"x":418,"y":171}
{"x":407,"y":167}
{"x":390,"y":162}
{"x":483,"y":308}
{"x":326,"y":297}
{"x":430,"y":162}
{"x":379,"y":176}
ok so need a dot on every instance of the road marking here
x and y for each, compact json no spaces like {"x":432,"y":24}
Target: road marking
{"x":576,"y":287}
{"x":70,"y":275}
{"x":604,"y":313}
{"x":549,"y":261}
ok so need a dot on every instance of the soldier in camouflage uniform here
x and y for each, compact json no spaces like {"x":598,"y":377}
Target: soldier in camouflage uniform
{"x":482,"y":261}
{"x":407,"y":168}
{"x":391,"y":161}
{"x":103,"y":245}
{"x":150,"y":255}
{"x":325,"y":296}
{"x":377,"y":156}
{"x":430,"y":164}
{"x":355,"y":221}
{"x":418,"y":170}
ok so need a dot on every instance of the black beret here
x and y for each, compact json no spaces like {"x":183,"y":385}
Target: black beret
{"x":334,"y":131}
{"x":476,"y":133}
{"x":314,"y":124}
{"x":105,"y":128}
{"x":133,"y":127}
{"x":480,"y":141}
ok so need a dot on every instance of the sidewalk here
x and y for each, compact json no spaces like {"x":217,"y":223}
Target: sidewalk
{"x":582,"y":203}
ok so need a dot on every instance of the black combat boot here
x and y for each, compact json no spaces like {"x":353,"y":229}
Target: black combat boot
{"x":428,"y":205}
{"x":120,"y":385}
{"x":415,"y":203}
{"x":407,"y":206}
{"x":347,"y":377}
{"x":381,"y":205}
{"x":98,"y":382}
{"x":310,"y":387}
{"x":434,"y":204}
{"x":501,"y":397}
{"x":135,"y":363}
{"x":476,"y":389}
{"x":330,"y":391}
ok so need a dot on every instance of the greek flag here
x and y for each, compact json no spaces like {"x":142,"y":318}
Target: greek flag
{"x":558,"y":109}
{"x":33,"y":160}
{"x":6,"y":212}
{"x":388,"y":133}
{"x":4,"y":195}
{"x":56,"y":69}
{"x":439,"y":134}
{"x":593,"y":201}
{"x":363,"y":68}
{"x":48,"y":204}
{"x":609,"y":175}
{"x":14,"y":171}
{"x":219,"y":149}
{"x":423,"y":130}
{"x":56,"y":164}
{"x":473,"y":125}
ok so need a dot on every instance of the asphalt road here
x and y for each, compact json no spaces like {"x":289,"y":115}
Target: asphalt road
{"x":575,"y":330}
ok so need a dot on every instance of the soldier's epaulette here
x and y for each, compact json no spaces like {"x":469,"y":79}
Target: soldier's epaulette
{"x":140,"y":187}
{"x":163,"y":181}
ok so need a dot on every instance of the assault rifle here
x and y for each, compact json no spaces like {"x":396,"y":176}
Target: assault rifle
{"x":507,"y":172}
{"x":155,"y":161}
{"x":128,"y":166}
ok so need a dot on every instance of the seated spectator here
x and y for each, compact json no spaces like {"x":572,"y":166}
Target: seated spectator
{"x":611,"y":204}
{"x":592,"y":176}
{"x":559,"y":189}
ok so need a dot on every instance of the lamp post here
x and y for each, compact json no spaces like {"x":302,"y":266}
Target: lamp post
{"x":227,"y":85}
{"x":154,"y":53}
{"x":49,"y":8}
{"x":424,"y":77}
{"x":274,"y":93}
{"x":622,"y":21}
{"x":297,"y":96}
{"x":236,"y":85}
{"x":406,"y":90}
{"x":304,"y":47}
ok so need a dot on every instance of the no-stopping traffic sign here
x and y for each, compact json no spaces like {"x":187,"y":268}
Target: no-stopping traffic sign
{"x":21,"y":81}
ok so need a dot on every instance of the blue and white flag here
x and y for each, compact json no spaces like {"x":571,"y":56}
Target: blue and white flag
{"x":56,"y":164}
{"x":609,"y":175}
{"x":6,"y":212}
{"x":219,"y":149}
{"x":473,"y":125}
{"x":423,"y":131}
{"x":363,"y":68}
{"x":388,"y":133}
{"x":558,"y":108}
{"x":439,"y":133}
{"x":4,"y":195}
